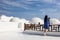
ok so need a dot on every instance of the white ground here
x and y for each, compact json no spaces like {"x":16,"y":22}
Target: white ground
{"x":25,"y":36}
{"x":11,"y":31}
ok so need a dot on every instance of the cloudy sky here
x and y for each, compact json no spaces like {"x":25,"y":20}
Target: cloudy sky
{"x":30,"y":8}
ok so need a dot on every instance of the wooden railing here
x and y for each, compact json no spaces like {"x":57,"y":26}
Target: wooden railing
{"x":40,"y":27}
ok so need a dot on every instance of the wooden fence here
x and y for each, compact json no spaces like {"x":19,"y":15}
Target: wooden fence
{"x":39,"y":27}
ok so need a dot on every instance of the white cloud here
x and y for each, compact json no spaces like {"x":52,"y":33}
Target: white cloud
{"x":58,"y":3}
{"x":16,"y":19}
{"x":30,"y":14}
{"x":5,"y":18}
{"x":13,"y":19}
{"x":26,"y":21}
{"x":31,"y":0}
{"x":26,"y":4}
{"x":54,"y":21}
{"x":7,"y":12}
{"x":53,"y":13}
{"x":4,"y":11}
{"x":50,"y":11}
{"x":17,"y":4}
{"x":36,"y":20}
{"x":50,"y":1}
{"x":12,"y":3}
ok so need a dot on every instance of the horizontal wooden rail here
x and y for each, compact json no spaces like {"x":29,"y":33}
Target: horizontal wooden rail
{"x":36,"y":26}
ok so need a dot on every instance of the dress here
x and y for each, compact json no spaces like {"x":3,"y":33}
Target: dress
{"x":46,"y":24}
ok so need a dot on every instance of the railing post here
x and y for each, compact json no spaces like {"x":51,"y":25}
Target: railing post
{"x":58,"y":27}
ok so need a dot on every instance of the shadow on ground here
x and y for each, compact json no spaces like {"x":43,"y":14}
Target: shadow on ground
{"x":54,"y":34}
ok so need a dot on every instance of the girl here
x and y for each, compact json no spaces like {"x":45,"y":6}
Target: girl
{"x":46,"y":24}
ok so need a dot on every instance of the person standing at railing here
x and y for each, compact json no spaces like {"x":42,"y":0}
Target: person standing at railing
{"x":46,"y":24}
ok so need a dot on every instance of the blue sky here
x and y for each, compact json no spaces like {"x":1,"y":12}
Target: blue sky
{"x":30,"y":8}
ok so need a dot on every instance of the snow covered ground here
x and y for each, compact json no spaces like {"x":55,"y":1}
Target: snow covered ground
{"x":11,"y":31}
{"x":26,"y":36}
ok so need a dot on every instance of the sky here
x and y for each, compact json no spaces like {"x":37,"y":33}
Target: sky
{"x":30,"y":8}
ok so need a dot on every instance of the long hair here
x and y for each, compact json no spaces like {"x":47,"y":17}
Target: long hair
{"x":45,"y":18}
